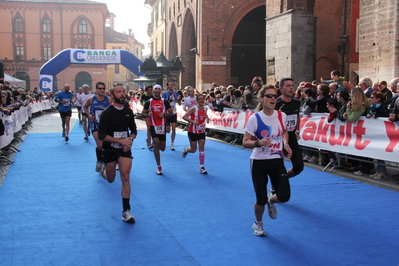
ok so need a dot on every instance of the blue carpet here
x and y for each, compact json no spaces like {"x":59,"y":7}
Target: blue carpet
{"x":56,"y":210}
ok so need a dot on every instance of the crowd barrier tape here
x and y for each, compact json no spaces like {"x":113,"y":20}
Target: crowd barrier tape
{"x":14,"y":122}
{"x":375,"y":138}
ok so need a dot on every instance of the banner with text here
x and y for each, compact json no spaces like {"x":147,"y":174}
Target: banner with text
{"x":369,"y":137}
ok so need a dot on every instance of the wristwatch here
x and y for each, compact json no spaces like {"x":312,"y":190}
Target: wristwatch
{"x":257,"y":143}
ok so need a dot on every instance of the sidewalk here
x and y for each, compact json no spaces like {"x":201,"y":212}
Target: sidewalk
{"x":51,"y":123}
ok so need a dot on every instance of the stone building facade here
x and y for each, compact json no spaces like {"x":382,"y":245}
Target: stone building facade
{"x":229,"y":42}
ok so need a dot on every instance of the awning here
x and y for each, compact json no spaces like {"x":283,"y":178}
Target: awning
{"x":356,"y":72}
{"x":14,"y":81}
{"x":144,"y":81}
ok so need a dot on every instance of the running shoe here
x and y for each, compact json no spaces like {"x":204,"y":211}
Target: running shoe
{"x":271,"y":209}
{"x":66,"y":138}
{"x":202,"y":170}
{"x":185,"y":152}
{"x":159,"y":170}
{"x":172,"y":147}
{"x":86,"y":137}
{"x":313,"y":160}
{"x":99,"y":167}
{"x":128,"y":217}
{"x":258,"y":229}
{"x":150,"y":146}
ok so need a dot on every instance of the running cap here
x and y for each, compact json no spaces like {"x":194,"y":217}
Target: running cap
{"x":157,"y":86}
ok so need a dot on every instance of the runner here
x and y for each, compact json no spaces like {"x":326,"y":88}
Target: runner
{"x":266,"y":133}
{"x":79,"y":105}
{"x":197,"y":119}
{"x":117,"y":130}
{"x":146,"y":96}
{"x":290,"y":105}
{"x":157,"y":109}
{"x":171,"y":122}
{"x":94,"y":107}
{"x":64,"y":100}
{"x":82,"y":98}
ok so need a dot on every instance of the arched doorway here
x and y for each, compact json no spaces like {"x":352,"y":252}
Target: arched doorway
{"x":248,"y":48}
{"x":188,"y":51}
{"x":81,"y":79}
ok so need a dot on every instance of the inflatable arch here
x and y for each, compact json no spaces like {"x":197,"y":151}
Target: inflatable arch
{"x":87,"y":57}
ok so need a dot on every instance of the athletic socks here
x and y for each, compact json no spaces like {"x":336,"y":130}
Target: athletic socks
{"x":201,"y":158}
{"x":126,"y":204}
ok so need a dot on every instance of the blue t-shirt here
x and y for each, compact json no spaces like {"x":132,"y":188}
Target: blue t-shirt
{"x":64,"y":96}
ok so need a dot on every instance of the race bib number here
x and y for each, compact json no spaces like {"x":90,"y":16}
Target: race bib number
{"x":201,"y":127}
{"x":291,"y":122}
{"x":97,"y":114}
{"x":160,"y":130}
{"x":119,"y":135}
{"x":67,"y":102}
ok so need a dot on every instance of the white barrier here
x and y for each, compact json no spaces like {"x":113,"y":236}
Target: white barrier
{"x":375,"y":138}
{"x":14,"y":122}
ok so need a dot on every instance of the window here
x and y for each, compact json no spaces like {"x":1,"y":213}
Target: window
{"x":82,"y":26}
{"x":116,"y":69}
{"x":18,"y":24}
{"x":46,"y":26}
{"x":19,"y":53}
{"x":47,"y":53}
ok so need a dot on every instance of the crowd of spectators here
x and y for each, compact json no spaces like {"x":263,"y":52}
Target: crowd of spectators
{"x":346,"y":102}
{"x":337,"y":97}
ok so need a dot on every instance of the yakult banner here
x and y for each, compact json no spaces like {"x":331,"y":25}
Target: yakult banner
{"x":375,"y":138}
{"x":92,"y":56}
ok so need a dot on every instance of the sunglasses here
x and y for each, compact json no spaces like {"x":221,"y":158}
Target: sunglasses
{"x":101,"y":88}
{"x":269,"y":96}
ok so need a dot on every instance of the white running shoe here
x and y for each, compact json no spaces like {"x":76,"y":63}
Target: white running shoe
{"x":99,"y":167}
{"x":306,"y":158}
{"x":313,"y":160}
{"x":202,"y":170}
{"x":271,"y":210}
{"x":159,"y":170}
{"x":185,"y":152}
{"x":172,"y":147}
{"x":258,"y":229}
{"x":128,"y":217}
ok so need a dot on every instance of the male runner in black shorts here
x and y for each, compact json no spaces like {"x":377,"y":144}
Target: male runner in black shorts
{"x":117,"y":130}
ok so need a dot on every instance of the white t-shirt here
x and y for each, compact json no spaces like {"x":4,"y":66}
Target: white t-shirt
{"x":267,"y":126}
{"x":82,"y":98}
{"x":189,"y":102}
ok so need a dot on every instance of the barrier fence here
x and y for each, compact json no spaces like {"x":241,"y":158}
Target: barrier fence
{"x":375,"y":138}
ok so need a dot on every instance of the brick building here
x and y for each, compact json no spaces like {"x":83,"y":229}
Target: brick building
{"x":229,"y":42}
{"x":42,"y":29}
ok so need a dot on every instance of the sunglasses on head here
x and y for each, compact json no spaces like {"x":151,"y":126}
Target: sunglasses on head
{"x":269,"y":96}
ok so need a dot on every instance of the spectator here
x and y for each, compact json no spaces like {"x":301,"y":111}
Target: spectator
{"x":343,"y":98}
{"x":320,"y":105}
{"x":384,"y":89}
{"x":332,"y":105}
{"x":250,"y":102}
{"x":236,"y":100}
{"x":393,"y":85}
{"x":358,"y":106}
{"x":366,"y":84}
{"x":378,"y":108}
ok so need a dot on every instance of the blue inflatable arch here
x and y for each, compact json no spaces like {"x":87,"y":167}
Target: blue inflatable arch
{"x":87,"y":57}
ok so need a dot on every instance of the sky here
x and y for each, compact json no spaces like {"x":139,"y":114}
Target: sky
{"x":131,"y":14}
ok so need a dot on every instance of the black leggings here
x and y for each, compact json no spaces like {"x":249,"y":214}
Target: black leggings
{"x":296,"y":158}
{"x":275,"y":169}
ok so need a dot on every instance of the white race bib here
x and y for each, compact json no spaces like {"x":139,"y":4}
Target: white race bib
{"x":160,"y":130}
{"x":119,"y":135}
